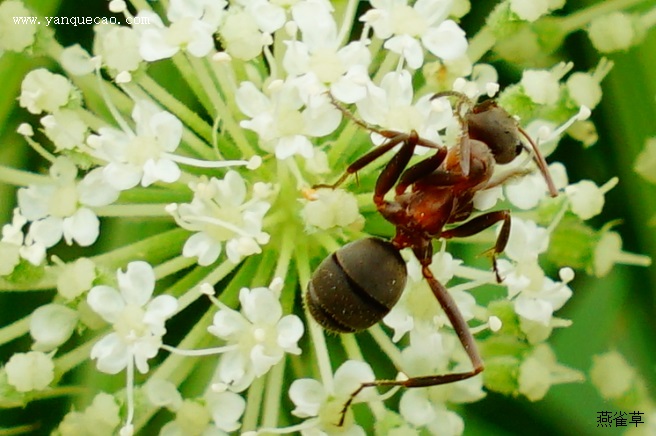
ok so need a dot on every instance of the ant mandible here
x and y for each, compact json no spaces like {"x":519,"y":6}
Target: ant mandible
{"x":355,"y":287}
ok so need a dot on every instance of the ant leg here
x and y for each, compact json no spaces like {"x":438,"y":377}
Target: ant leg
{"x":462,"y":331}
{"x":420,"y":170}
{"x":481,"y":223}
{"x":394,"y":168}
{"x":366,"y":159}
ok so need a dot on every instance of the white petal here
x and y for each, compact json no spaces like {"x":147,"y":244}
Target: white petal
{"x":122,"y":176}
{"x":226,"y":409}
{"x":228,"y":324}
{"x":290,"y":330}
{"x":159,"y":309}
{"x":153,"y":45}
{"x":408,"y":47}
{"x":535,"y":310}
{"x":350,"y":375}
{"x":260,"y":306}
{"x":202,"y":245}
{"x":263,"y":359}
{"x":94,"y":190}
{"x":235,"y":371}
{"x":106,"y":302}
{"x":112,"y":354}
{"x":137,"y":283}
{"x":448,"y":41}
{"x":297,"y":58}
{"x":416,"y":408}
{"x":83,"y":227}
{"x":251,"y":101}
{"x":46,"y":232}
{"x":51,"y":325}
{"x":307,"y":395}
{"x":163,"y":169}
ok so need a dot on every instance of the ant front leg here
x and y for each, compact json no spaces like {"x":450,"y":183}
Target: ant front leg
{"x":368,"y":158}
{"x":462,"y":331}
{"x":480,"y":223}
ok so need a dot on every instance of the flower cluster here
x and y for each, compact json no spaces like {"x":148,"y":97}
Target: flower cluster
{"x":182,"y":158}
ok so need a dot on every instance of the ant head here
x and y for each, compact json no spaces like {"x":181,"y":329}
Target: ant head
{"x":493,"y":126}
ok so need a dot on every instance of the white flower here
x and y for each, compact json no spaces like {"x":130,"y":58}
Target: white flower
{"x":418,"y":409}
{"x":536,"y":297}
{"x":319,"y":51}
{"x":645,"y":163}
{"x":312,"y":400}
{"x":31,"y":371}
{"x":137,"y":320}
{"x":217,"y":415}
{"x":219,"y":213}
{"x":65,"y":129}
{"x":540,"y":370}
{"x":587,"y":199}
{"x":584,"y":89}
{"x":101,"y":418}
{"x":76,"y":278}
{"x":193,"y":24}
{"x":612,"y":32}
{"x":527,"y":240}
{"x":42,"y":91}
{"x":541,"y":86}
{"x":529,"y":10}
{"x":288,"y":115}
{"x":390,"y":106}
{"x":612,"y":375}
{"x":118,"y":46}
{"x":62,"y":207}
{"x":260,"y":334}
{"x":144,"y":156}
{"x":241,"y":35}
{"x":11,"y":245}
{"x":15,"y":37}
{"x":332,"y":208}
{"x":405,"y":26}
{"x":76,"y":60}
{"x":51,"y":325}
{"x":527,"y":192}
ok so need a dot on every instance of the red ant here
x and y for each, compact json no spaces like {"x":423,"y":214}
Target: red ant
{"x":355,"y":287}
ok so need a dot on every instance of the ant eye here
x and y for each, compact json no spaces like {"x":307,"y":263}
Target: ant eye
{"x":518,"y":149}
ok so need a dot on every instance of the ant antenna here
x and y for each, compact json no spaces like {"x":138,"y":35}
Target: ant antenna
{"x":539,"y":159}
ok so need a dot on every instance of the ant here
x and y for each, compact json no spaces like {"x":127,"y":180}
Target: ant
{"x":355,"y":287}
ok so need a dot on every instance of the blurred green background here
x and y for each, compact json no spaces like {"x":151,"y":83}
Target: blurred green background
{"x":617,"y":312}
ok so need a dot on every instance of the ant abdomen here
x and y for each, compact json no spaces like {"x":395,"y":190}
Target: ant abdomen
{"x":355,"y":287}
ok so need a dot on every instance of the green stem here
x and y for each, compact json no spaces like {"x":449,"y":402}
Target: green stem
{"x":173,"y":266}
{"x":75,"y":357}
{"x":14,"y":330}
{"x":580,"y":19}
{"x":253,"y":404}
{"x":132,"y":210}
{"x":16,"y":177}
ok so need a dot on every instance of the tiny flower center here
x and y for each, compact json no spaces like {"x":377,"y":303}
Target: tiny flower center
{"x":407,"y":21}
{"x":63,"y":202}
{"x":259,"y":334}
{"x":290,"y":122}
{"x":179,"y":33}
{"x":326,"y":65}
{"x":143,"y":148}
{"x":130,"y":323}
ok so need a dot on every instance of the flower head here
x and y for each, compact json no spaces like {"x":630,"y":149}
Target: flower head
{"x":137,"y":319}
